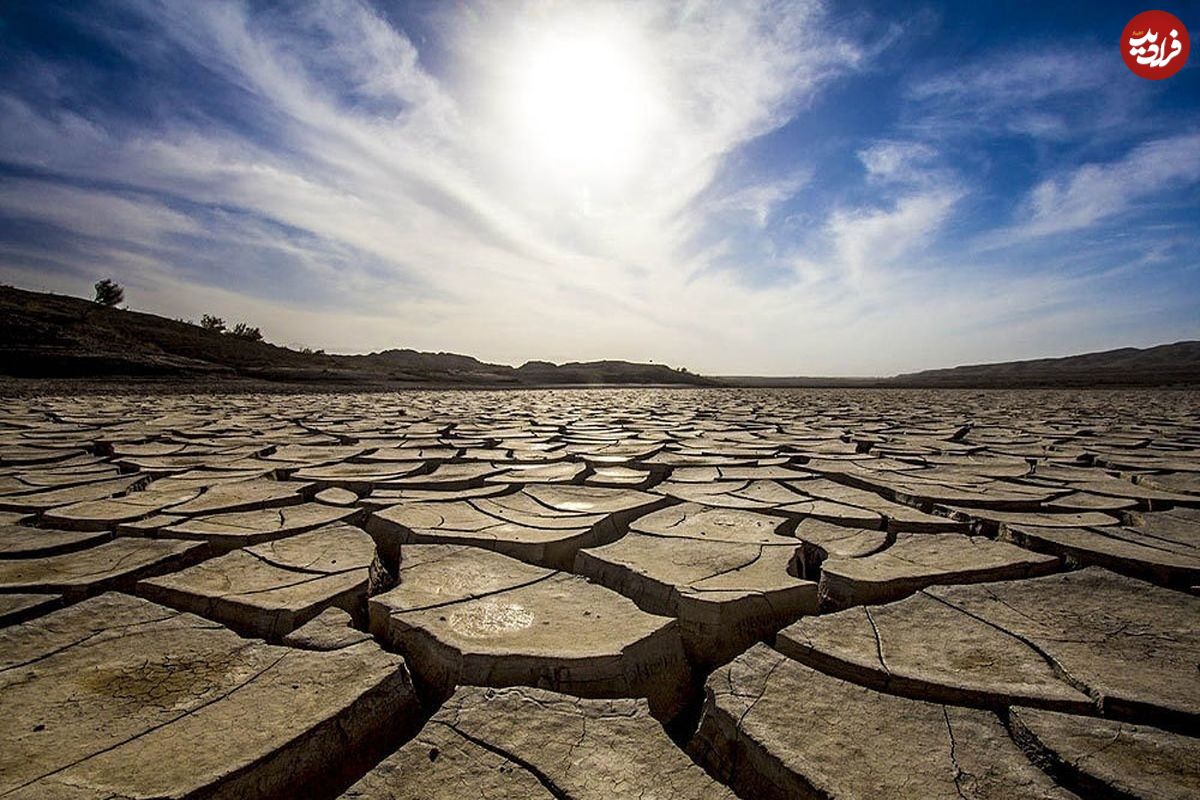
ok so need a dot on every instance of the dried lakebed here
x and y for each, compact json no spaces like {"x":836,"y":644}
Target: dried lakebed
{"x":601,"y":594}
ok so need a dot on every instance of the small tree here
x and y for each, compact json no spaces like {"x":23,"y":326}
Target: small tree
{"x":109,"y":293}
{"x":244,"y":331}
{"x":211,"y":323}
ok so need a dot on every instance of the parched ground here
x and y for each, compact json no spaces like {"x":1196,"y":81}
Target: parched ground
{"x":642,"y":593}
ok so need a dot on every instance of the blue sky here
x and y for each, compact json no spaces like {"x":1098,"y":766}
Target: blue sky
{"x":740,"y":188}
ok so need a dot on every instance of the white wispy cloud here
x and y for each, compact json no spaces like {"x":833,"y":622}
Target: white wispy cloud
{"x":891,"y":161}
{"x":876,"y":238}
{"x":1098,"y":191}
{"x":1053,"y":91}
{"x":761,"y":199}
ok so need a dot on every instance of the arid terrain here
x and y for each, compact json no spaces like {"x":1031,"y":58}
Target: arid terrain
{"x":601,"y":593}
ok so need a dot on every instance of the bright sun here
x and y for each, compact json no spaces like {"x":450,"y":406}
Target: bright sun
{"x":580,"y":104}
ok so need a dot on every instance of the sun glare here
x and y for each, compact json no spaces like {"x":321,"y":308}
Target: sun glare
{"x":580,"y":104}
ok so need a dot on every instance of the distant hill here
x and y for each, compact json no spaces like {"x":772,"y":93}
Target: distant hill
{"x":1164,"y":365}
{"x":604,"y":372}
{"x":54,"y":336}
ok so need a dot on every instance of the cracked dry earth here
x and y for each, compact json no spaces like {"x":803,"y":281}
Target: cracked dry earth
{"x":601,"y":594}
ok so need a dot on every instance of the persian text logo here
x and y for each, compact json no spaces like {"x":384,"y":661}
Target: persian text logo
{"x":1155,"y":45}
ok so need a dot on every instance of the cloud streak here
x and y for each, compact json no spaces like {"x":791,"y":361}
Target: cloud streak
{"x":1099,"y":191}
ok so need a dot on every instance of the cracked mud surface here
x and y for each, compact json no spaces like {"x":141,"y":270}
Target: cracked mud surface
{"x":601,"y":593}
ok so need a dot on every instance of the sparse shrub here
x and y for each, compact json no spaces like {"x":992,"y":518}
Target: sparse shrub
{"x":211,"y":323}
{"x":109,"y":293}
{"x":244,"y":331}
{"x":310,"y":352}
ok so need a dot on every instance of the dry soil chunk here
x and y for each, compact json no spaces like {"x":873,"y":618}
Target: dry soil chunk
{"x":821,"y":540}
{"x":444,"y":477}
{"x":355,"y":477}
{"x":724,"y":494}
{"x":917,"y":560}
{"x":336,"y":496}
{"x":621,"y":504}
{"x":1082,"y":501}
{"x":1146,"y":496}
{"x":897,"y":517}
{"x":117,"y":564}
{"x":23,"y":541}
{"x":1163,"y":547}
{"x":1106,"y":758}
{"x":618,"y":476}
{"x":990,"y":520}
{"x":542,"y":525}
{"x":441,"y":764}
{"x":726,"y":593}
{"x":244,"y":496}
{"x":99,"y":515}
{"x":835,"y":513}
{"x":550,"y":541}
{"x":270,"y":589}
{"x":773,"y":728}
{"x":309,"y":454}
{"x":332,"y":629}
{"x":1130,"y":646}
{"x":704,"y":523}
{"x":35,"y":455}
{"x":16,"y":608}
{"x":384,"y":498}
{"x":531,"y":743}
{"x":242,"y":528}
{"x":117,"y":696}
{"x":470,"y":616}
{"x":52,"y":498}
{"x":558,"y":472}
{"x":889,"y":647}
